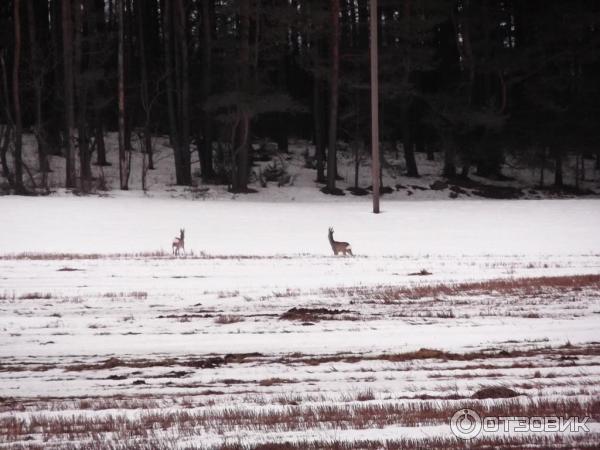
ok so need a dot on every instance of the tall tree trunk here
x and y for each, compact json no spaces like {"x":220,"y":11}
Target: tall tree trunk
{"x":173,"y":135}
{"x":408,"y":141}
{"x":184,"y":94}
{"x":240,"y":182}
{"x":67,"y":35}
{"x":318,"y":128}
{"x":100,"y":147}
{"x":543,"y":166}
{"x":123,"y":160}
{"x":37,"y":77}
{"x":409,"y":148}
{"x":96,"y":29}
{"x":8,"y":128}
{"x":56,"y":128}
{"x":145,"y":96}
{"x":449,"y":169}
{"x":376,"y":169}
{"x":316,"y":43}
{"x":558,"y":170}
{"x":129,"y":71}
{"x":577,"y":171}
{"x":19,"y":188}
{"x":3,"y":151}
{"x":205,"y":146}
{"x":333,"y":99}
{"x":81,"y":90}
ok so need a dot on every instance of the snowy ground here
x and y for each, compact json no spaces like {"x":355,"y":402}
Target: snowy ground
{"x":260,"y":336}
{"x":301,"y":185}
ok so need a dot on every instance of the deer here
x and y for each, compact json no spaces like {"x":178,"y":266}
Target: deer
{"x":338,"y":247}
{"x":179,"y":242}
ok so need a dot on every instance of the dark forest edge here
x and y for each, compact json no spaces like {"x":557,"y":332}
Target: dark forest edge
{"x":473,"y":85}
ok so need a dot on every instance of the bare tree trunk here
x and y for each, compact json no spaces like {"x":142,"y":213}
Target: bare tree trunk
{"x":81,"y":89}
{"x":37,"y":77}
{"x":333,"y":99}
{"x":3,"y":151}
{"x":184,"y":94}
{"x":205,"y":146}
{"x":69,"y":94}
{"x":449,"y":160}
{"x":318,"y":129}
{"x":19,"y":188}
{"x":145,"y":97}
{"x":317,"y":104}
{"x":240,"y":181}
{"x":9,"y":123}
{"x":543,"y":165}
{"x":100,"y":147}
{"x":57,"y":127}
{"x":96,"y":28}
{"x":577,"y":173}
{"x":408,"y":144}
{"x":408,"y":141}
{"x":123,"y":160}
{"x":173,"y":135}
{"x":375,"y":147}
{"x":558,"y":170}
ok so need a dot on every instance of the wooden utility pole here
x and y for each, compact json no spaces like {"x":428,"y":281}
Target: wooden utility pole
{"x":375,"y":108}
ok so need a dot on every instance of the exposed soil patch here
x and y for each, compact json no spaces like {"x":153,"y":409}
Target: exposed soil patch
{"x":421,"y":273}
{"x":197,"y":363}
{"x":316,"y":314}
{"x":495,"y":392}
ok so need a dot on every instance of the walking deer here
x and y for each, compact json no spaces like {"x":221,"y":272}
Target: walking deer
{"x":338,"y":247}
{"x":179,"y":242}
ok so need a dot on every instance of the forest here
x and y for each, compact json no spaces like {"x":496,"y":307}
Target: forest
{"x":467,"y":82}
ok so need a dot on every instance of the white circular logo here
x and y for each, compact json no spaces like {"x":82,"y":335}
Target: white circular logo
{"x":465,"y":424}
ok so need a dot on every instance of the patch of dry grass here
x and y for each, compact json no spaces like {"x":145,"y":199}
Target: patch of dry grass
{"x":564,"y":352}
{"x":226,"y":319}
{"x":317,"y":314}
{"x":35,"y":296}
{"x":156,"y":254}
{"x":361,"y":415}
{"x":501,"y":286}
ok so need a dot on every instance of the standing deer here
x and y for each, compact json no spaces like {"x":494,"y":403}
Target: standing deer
{"x":179,"y":242}
{"x":338,"y":247}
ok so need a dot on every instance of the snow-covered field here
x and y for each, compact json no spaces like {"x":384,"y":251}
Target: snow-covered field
{"x":260,"y":336}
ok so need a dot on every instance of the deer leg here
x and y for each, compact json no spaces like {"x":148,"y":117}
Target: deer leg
{"x":350,"y":252}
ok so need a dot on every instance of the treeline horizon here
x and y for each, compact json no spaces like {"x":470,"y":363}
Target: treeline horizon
{"x":469,"y":82}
